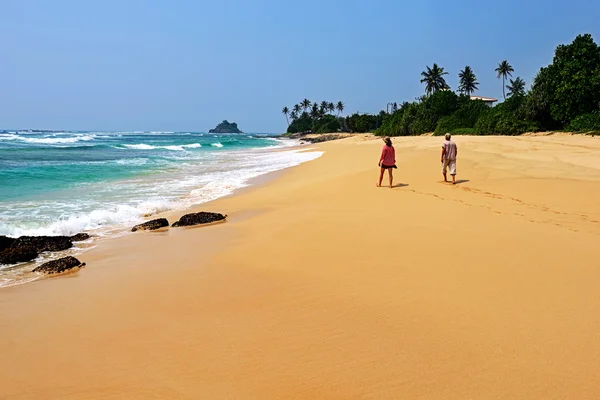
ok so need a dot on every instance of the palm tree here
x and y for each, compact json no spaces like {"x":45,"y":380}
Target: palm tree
{"x":433,"y":79}
{"x":305,"y":104}
{"x":504,"y":70}
{"x":516,"y":87}
{"x":285,"y":111}
{"x":324,"y":107}
{"x":294,"y":115}
{"x":331,"y":107}
{"x":340,"y":107}
{"x":468,"y":81}
{"x":314,"y":112}
{"x":297,"y":108}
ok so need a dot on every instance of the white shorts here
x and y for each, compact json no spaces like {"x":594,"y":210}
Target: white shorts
{"x":449,"y":164}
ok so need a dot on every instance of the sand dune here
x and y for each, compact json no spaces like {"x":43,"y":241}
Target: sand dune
{"x":322,"y":286}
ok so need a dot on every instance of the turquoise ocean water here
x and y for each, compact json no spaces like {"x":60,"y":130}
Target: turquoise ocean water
{"x":62,"y":183}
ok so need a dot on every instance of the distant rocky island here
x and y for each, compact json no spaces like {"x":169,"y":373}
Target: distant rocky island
{"x":226,"y":127}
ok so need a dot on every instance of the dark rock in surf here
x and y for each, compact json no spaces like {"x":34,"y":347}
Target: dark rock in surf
{"x":151,"y":225}
{"x":27,"y":248}
{"x":80,"y":237}
{"x":199,"y":218}
{"x":14,"y":255}
{"x":60,"y":265}
{"x":44,"y":243}
{"x":6,"y":242}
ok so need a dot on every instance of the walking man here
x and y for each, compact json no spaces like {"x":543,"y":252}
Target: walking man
{"x":449,"y":152}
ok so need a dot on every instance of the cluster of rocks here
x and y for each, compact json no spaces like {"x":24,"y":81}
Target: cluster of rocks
{"x":198,"y":218}
{"x":27,"y":248}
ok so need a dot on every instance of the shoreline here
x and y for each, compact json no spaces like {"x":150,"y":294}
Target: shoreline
{"x":104,"y":244}
{"x":321,"y":285}
{"x":120,"y":230}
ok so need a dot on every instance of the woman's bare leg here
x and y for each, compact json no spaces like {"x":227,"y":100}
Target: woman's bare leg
{"x":380,"y":177}
{"x":391,"y":177}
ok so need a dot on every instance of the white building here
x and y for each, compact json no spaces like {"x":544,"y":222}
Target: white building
{"x":487,"y":100}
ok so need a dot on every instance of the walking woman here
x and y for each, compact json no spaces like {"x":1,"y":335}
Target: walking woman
{"x":387,"y":160}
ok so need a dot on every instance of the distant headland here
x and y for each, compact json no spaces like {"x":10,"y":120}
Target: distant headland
{"x":226,"y":127}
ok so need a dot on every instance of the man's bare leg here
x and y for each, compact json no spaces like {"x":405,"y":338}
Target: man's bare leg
{"x":454,"y":179}
{"x":445,"y":177}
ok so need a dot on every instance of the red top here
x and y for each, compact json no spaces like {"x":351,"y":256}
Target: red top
{"x":388,"y":155}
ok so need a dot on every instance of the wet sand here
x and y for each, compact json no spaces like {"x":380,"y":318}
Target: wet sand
{"x":321,"y":285}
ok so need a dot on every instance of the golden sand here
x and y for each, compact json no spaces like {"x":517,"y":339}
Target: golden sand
{"x":322,"y":286}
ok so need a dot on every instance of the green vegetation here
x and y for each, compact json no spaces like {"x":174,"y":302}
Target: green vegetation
{"x":504,"y":70}
{"x":433,"y":78}
{"x":563,"y":95}
{"x":424,"y":115}
{"x":361,"y":123}
{"x":327,"y":123}
{"x":464,"y":131}
{"x":570,"y":86}
{"x":586,"y":123}
{"x":467,"y":81}
{"x":313,"y":117}
{"x":286,"y":111}
{"x":516,"y":87}
{"x":507,"y":118}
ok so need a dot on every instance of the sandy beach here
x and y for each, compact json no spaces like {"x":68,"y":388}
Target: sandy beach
{"x":322,"y":286}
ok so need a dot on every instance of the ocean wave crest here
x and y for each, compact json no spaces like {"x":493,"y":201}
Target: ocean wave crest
{"x":132,"y":161}
{"x":141,"y":146}
{"x":172,"y":148}
{"x":48,"y":140}
{"x":144,"y":146}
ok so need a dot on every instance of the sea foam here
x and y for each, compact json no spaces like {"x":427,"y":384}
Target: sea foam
{"x":144,"y":146}
{"x":48,"y":140}
{"x":93,"y":220}
{"x":141,"y":146}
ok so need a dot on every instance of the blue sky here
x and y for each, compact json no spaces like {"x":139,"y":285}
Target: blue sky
{"x":186,"y":65}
